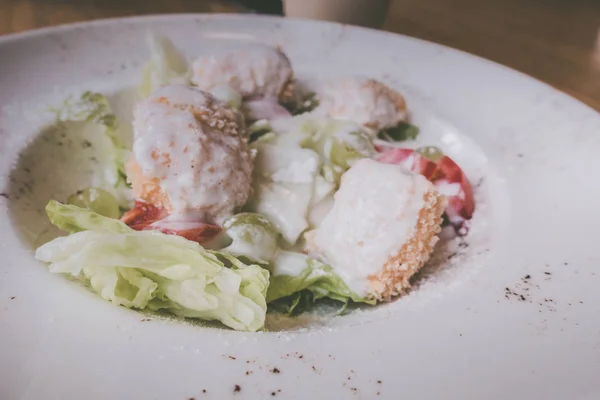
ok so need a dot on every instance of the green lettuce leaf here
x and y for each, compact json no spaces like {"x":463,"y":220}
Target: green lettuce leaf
{"x":401,"y":132}
{"x":72,"y":219}
{"x":97,"y":200}
{"x":295,"y":274}
{"x":338,"y":143}
{"x":151,"y":270}
{"x":295,"y":304}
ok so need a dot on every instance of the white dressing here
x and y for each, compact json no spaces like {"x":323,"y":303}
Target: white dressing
{"x":193,"y":145}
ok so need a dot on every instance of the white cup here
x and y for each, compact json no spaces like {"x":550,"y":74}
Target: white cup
{"x":370,"y":13}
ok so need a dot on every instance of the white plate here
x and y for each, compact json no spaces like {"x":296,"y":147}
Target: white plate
{"x":477,"y":328}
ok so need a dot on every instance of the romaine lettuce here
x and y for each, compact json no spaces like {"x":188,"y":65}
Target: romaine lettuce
{"x":294,"y":273}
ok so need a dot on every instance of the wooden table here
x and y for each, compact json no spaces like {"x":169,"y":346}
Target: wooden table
{"x":556,"y":41}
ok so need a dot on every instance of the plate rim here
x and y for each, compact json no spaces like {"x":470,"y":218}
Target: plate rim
{"x":155,"y":17}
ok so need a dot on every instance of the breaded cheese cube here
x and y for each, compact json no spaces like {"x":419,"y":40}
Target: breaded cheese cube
{"x":381,"y":230}
{"x":255,"y":71}
{"x":362,"y":100}
{"x":190,"y":155}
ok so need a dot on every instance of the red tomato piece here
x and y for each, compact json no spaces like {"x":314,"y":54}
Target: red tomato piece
{"x":444,"y":173}
{"x":143,"y":216}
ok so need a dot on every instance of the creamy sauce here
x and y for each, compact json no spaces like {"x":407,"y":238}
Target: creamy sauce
{"x":289,"y":263}
{"x":374,"y":213}
{"x":253,"y":70}
{"x":194,"y":146}
{"x":364,"y":101}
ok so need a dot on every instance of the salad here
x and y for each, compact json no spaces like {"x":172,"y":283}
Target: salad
{"x":243,"y":195}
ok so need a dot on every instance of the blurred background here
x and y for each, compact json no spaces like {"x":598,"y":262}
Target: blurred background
{"x":556,"y":41}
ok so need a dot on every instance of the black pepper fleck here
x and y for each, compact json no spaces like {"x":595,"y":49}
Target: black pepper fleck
{"x":566,"y":263}
{"x":527,"y":276}
{"x":275,"y":370}
{"x":547,"y":273}
{"x":203,"y":390}
{"x":237,"y":388}
{"x":12,"y":297}
{"x":379,"y":382}
{"x":232,"y":357}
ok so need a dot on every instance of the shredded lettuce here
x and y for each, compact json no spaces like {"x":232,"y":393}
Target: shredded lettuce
{"x":298,"y":279}
{"x":151,"y":270}
{"x":338,"y":143}
{"x":166,"y":66}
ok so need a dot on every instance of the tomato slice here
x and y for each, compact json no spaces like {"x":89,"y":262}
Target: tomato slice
{"x":445,"y":175}
{"x":191,"y":230}
{"x":144,"y":216}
